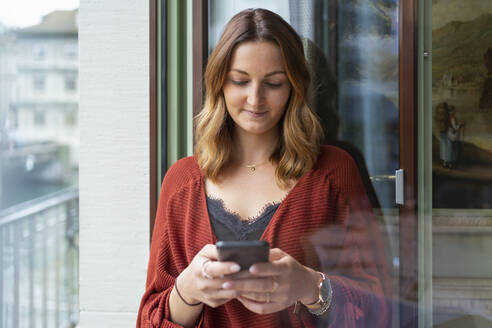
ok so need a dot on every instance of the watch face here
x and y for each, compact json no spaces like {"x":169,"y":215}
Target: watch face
{"x":324,"y":291}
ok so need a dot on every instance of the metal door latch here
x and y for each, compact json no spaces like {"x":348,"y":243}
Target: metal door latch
{"x":399,"y":184}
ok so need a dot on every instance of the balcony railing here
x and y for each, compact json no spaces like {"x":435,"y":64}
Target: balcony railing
{"x":39,"y":262}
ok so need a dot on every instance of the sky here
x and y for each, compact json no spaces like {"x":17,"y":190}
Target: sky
{"x":22,"y":13}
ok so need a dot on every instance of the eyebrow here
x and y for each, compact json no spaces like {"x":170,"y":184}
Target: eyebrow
{"x":269,"y":74}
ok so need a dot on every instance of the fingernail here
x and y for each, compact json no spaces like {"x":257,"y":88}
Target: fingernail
{"x":253,"y":269}
{"x":235,"y":268}
{"x":227,"y":284}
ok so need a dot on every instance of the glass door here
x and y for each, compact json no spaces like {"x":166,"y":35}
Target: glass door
{"x":458,"y":61}
{"x":352,"y":48}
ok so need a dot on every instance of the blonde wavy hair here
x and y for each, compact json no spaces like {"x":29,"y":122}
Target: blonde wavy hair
{"x":300,"y":130}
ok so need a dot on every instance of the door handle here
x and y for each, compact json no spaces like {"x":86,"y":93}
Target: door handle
{"x":399,"y":184}
{"x":382,"y":177}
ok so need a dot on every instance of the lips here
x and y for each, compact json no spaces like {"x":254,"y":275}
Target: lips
{"x":255,"y":114}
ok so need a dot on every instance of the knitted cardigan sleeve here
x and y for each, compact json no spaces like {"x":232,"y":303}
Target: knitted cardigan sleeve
{"x":162,"y":269}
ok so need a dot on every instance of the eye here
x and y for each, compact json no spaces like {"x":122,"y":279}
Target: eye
{"x":237,"y":82}
{"x":273,"y":85}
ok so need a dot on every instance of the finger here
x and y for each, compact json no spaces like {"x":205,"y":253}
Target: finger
{"x":217,"y":302}
{"x":210,"y":285}
{"x":218,"y":269}
{"x":276,"y":254}
{"x":252,"y":285}
{"x":209,"y":251}
{"x":212,"y":289}
{"x":241,"y":275}
{"x":219,"y":297}
{"x":257,"y":297}
{"x":259,"y":307}
{"x":222,"y":294}
{"x":266,"y":269}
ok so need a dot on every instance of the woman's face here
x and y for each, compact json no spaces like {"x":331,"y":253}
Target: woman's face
{"x":257,"y":89}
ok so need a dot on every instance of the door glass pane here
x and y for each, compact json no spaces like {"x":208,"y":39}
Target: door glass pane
{"x":352,"y":50}
{"x":462,"y":163}
{"x":39,"y":147}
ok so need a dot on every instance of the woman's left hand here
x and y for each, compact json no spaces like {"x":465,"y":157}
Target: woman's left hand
{"x":276,"y":285}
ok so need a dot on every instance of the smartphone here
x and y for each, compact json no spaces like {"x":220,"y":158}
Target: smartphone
{"x":245,"y":253}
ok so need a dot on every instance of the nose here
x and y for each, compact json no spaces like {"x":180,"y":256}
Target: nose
{"x":255,"y":95}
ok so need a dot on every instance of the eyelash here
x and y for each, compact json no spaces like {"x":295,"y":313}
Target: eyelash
{"x":270,"y":85}
{"x":239,"y":82}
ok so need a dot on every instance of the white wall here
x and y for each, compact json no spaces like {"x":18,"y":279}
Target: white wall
{"x":114,"y":160}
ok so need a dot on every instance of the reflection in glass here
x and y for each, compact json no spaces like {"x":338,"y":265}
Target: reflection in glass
{"x":462,"y":163}
{"x":352,"y":49}
{"x":359,"y":73}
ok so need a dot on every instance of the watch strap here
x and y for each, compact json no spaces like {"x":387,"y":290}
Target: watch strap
{"x":321,"y":306}
{"x":318,"y":302}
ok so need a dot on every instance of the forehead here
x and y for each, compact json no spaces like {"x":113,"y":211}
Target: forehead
{"x":258,"y":56}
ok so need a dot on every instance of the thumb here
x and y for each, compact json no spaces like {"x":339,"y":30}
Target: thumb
{"x":276,"y":254}
{"x":209,"y":251}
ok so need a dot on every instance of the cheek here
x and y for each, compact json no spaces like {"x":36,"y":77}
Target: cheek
{"x":233,"y":98}
{"x":278,"y":99}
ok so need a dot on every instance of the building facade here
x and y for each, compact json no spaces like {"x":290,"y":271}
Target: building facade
{"x":44,"y":96}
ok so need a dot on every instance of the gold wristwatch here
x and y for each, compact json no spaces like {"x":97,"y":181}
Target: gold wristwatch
{"x":325,"y":295}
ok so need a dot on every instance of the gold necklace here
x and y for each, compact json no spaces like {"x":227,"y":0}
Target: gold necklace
{"x":252,"y":167}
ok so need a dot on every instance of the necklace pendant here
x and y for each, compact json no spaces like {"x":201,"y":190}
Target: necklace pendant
{"x":252,"y":167}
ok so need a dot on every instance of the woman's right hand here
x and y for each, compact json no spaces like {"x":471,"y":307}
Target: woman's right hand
{"x":202,"y":280}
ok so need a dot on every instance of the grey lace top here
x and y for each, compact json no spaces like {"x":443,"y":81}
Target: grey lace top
{"x":228,"y":225}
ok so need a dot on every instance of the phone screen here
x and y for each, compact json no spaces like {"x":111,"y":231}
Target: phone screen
{"x":245,"y":253}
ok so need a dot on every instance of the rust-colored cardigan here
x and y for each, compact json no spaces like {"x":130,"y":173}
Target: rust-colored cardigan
{"x":325,"y":222}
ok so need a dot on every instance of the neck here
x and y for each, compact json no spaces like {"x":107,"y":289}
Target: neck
{"x":254,"y":148}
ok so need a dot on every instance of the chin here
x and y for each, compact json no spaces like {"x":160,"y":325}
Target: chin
{"x":256,"y":130}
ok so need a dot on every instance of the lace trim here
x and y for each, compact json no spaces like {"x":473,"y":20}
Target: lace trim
{"x":233,"y":222}
{"x":263,"y":211}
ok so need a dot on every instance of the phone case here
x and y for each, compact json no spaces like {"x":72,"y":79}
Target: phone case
{"x":245,"y":253}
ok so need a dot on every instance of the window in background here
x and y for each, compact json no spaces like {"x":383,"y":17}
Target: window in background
{"x":38,"y":83}
{"x":38,"y":52}
{"x":39,"y":147}
{"x":70,"y":83}
{"x":71,"y":119}
{"x":39,"y":118}
{"x":70,"y":51}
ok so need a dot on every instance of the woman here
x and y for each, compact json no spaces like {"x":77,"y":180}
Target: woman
{"x":259,"y":172}
{"x":449,"y":134}
{"x":454,"y":135}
